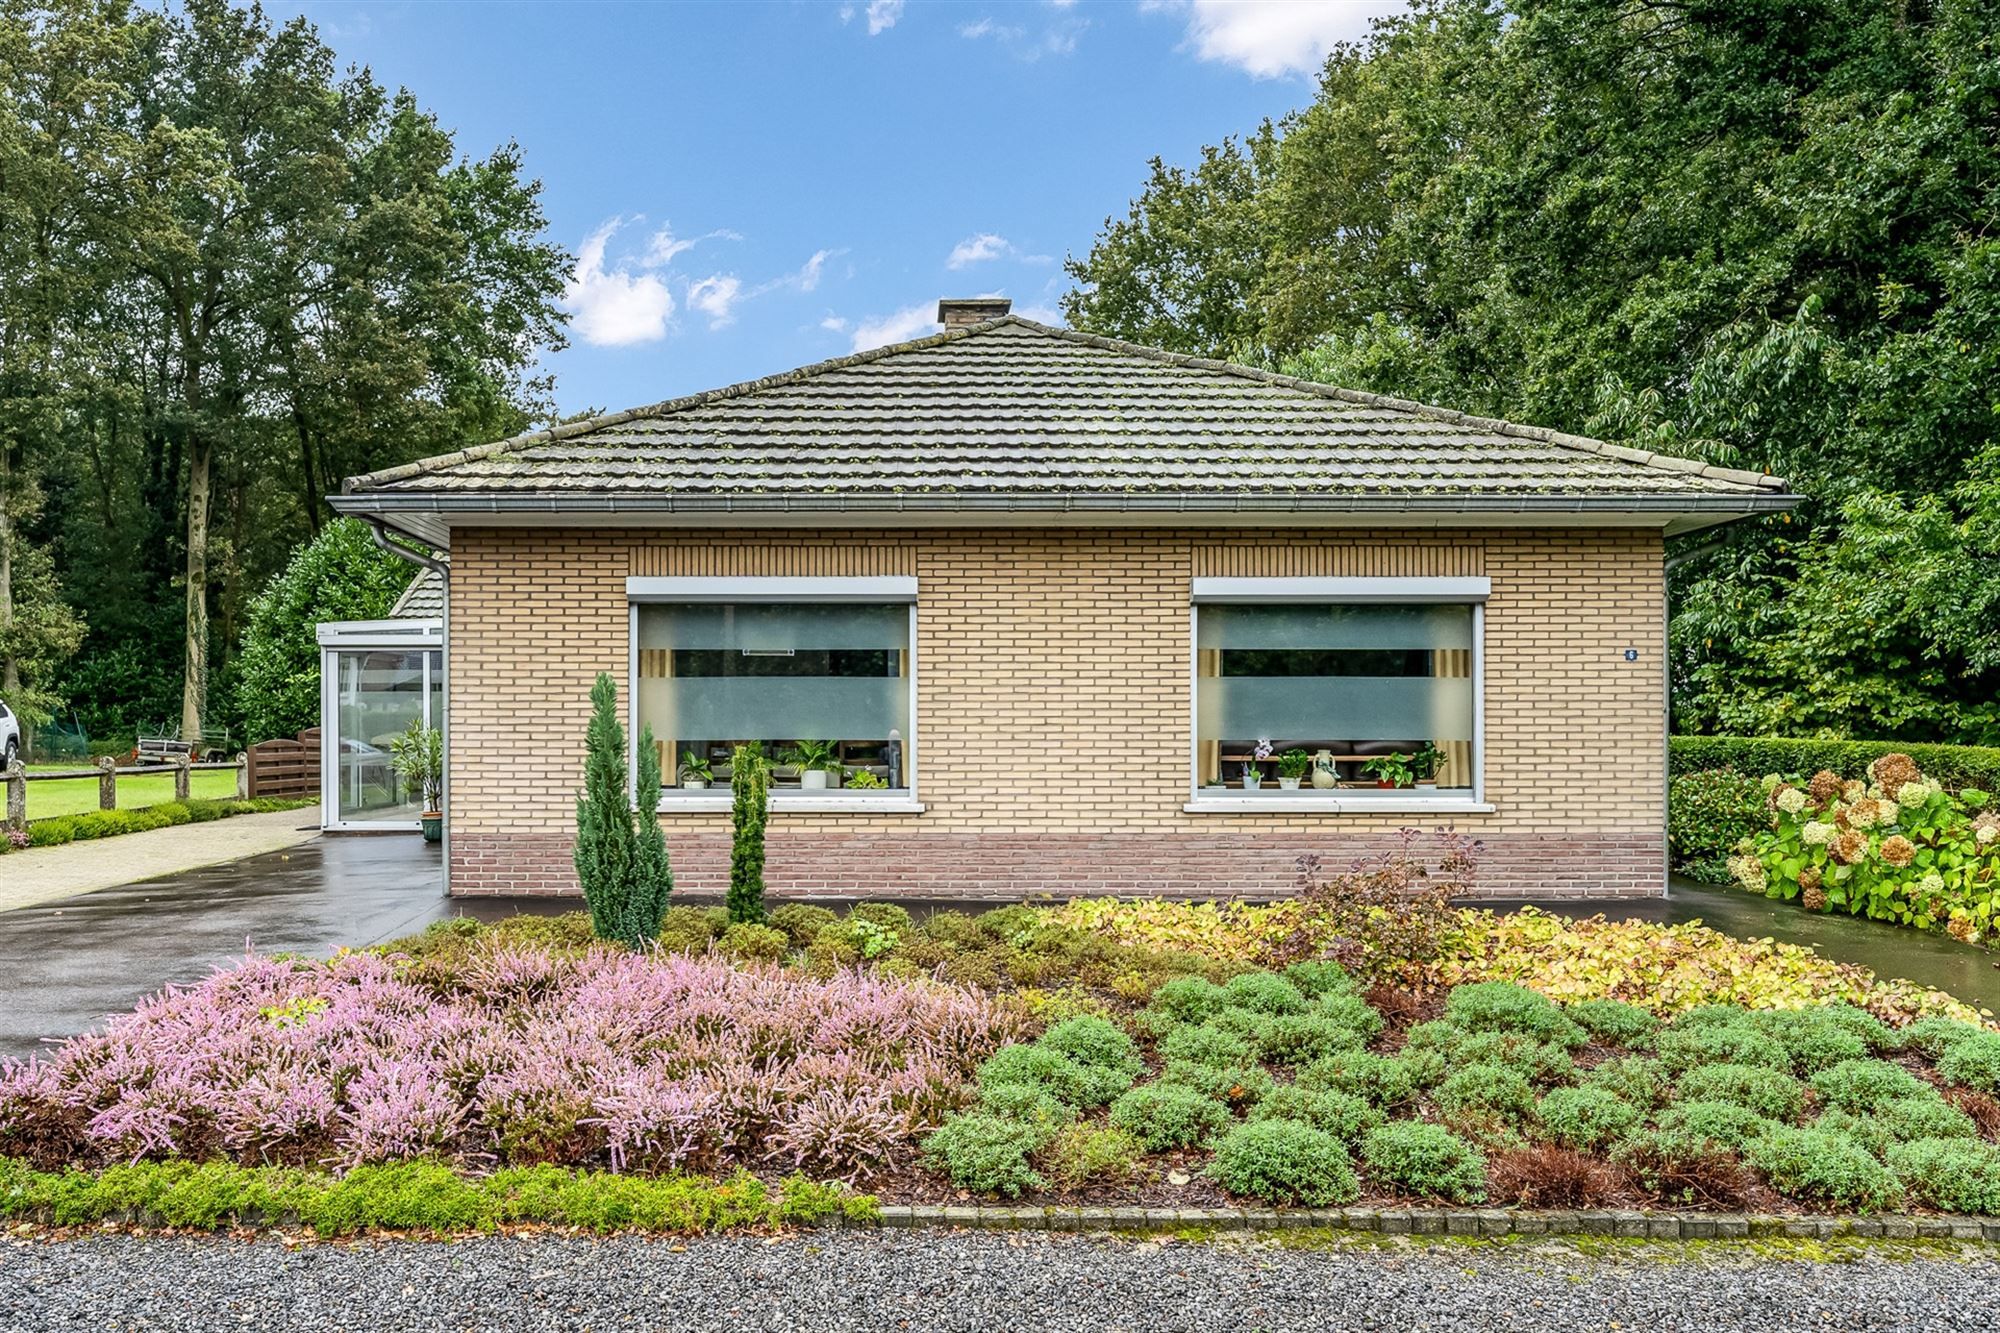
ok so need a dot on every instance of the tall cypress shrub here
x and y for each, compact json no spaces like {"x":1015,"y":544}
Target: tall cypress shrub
{"x":652,"y":877}
{"x":750,"y":781}
{"x":623,"y":869}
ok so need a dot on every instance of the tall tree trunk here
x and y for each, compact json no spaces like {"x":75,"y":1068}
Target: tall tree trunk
{"x":10,"y":666}
{"x":194,"y":689}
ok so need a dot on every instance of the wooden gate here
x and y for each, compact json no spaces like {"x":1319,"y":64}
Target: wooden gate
{"x":285,"y":768}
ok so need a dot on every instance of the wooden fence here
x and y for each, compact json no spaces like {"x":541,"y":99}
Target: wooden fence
{"x":107,"y":772}
{"x":283,"y":767}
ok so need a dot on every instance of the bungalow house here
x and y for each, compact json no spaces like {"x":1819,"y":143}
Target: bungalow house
{"x":1047,"y":611}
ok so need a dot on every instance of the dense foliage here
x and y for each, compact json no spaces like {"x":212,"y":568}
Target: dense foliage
{"x":1951,"y":766}
{"x":230,"y":276}
{"x":1893,"y":847}
{"x":749,"y":808}
{"x":339,"y":575}
{"x":1754,"y":233}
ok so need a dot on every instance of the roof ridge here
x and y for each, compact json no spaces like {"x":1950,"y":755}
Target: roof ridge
{"x":1497,"y":425}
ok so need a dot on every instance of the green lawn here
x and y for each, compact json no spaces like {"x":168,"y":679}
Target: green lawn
{"x":73,"y":796}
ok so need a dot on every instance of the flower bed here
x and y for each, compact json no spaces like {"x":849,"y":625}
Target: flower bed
{"x":524,"y":1056}
{"x":1896,"y":847}
{"x":1101,"y":1052}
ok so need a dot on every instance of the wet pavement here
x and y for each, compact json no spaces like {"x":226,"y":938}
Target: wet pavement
{"x":64,"y":965}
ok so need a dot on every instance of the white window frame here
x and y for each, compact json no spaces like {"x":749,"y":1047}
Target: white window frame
{"x":1463,"y":591}
{"x":639,"y":591}
{"x":366,"y":636}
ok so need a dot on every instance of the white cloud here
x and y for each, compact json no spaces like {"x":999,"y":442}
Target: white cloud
{"x":978,"y":249}
{"x":834,"y":324}
{"x":615,"y":306}
{"x":808,"y":276}
{"x":987,"y":28}
{"x":1271,"y":39}
{"x":912,"y":321}
{"x":1041,"y":314}
{"x":882,"y":15}
{"x":715,"y":296}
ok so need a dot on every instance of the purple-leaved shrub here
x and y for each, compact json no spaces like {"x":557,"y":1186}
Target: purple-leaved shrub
{"x":644,"y":1062}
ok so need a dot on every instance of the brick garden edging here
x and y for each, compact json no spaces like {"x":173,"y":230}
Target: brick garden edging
{"x":1446,"y":1222}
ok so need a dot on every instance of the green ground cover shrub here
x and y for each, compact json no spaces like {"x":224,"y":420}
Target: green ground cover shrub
{"x":1478,"y":1091}
{"x":1425,"y":1160}
{"x":1285,"y":1161}
{"x":1264,"y":993}
{"x":416,"y":1196}
{"x":1956,"y":1174}
{"x":94,"y":824}
{"x":1683,"y":1047}
{"x":1382,"y":1080}
{"x":1206,"y":1044}
{"x":1725,"y":1124}
{"x":1587,"y":1119}
{"x":1297,"y":1039}
{"x":1164,"y":1116}
{"x":1614,"y":1023}
{"x":1767,"y":1092}
{"x":1824,"y":1168}
{"x":1341,"y":1114}
{"x":1972,"y":1062}
{"x":1862,"y":1085}
{"x":987,"y":1153}
{"x":1238,"y":1086}
{"x":1083,"y":1154}
{"x":1636,"y":1079}
{"x":1501,"y":1006}
{"x":1924,"y":1116}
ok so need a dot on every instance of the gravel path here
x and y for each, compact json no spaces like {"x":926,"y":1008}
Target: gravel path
{"x":975,"y":1281}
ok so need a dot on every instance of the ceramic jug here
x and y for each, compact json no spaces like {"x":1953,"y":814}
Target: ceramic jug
{"x":1326,"y":773}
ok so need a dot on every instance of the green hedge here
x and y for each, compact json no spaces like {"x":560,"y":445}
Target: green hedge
{"x":415,"y":1196}
{"x":1954,"y":766}
{"x":60,"y":829}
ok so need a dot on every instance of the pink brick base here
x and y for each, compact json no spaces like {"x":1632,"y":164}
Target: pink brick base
{"x":985,"y":866}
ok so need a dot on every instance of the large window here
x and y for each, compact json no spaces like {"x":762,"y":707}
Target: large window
{"x":1366,"y":699}
{"x":824,"y":686}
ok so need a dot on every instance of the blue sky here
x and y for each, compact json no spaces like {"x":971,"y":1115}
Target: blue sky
{"x":755,"y":186}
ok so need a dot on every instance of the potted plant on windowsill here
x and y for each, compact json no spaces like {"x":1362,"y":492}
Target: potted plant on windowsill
{"x":1293,"y":765}
{"x":864,"y":779}
{"x":1253,"y":773}
{"x":818,"y":763}
{"x":1390,"y":770}
{"x":418,"y":759}
{"x":695,"y":772}
{"x":1425,"y":763}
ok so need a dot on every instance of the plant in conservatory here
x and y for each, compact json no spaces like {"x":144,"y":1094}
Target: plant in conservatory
{"x":418,"y":758}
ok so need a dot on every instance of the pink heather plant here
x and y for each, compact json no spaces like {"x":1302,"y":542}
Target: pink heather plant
{"x":640,"y":1061}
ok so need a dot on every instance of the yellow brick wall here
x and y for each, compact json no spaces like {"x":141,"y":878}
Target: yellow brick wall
{"x":1042,"y":651}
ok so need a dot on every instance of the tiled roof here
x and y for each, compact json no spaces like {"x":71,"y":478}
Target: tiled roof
{"x":1012,"y":411}
{"x":423,"y":599}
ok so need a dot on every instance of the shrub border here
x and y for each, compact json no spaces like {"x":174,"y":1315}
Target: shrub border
{"x":1623,"y":1223}
{"x":201,"y":810}
{"x":1954,"y":766}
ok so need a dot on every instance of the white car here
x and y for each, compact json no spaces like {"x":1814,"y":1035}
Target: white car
{"x":10,"y":736}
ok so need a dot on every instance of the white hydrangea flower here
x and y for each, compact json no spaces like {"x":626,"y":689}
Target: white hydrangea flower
{"x":1931,"y":883}
{"x":1768,"y":782}
{"x":1749,"y":871}
{"x":1986,"y":833}
{"x":1915,"y":794}
{"x":1791,"y":800}
{"x":1817,"y":833}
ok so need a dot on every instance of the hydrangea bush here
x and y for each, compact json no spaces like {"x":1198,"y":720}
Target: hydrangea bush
{"x":647,"y":1062}
{"x":1895,"y":846}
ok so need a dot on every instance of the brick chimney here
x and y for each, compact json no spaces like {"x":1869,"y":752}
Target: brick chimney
{"x":962,"y":311}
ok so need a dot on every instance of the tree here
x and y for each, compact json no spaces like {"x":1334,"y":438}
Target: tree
{"x":230,"y":276}
{"x":622,"y":868}
{"x":749,"y":806}
{"x":1755,"y":233}
{"x":339,"y":575}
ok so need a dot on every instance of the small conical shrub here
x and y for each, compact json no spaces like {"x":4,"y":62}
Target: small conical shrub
{"x":623,"y":870}
{"x":750,"y":780}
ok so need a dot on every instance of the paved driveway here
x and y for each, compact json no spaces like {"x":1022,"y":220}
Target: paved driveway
{"x":66,"y":964}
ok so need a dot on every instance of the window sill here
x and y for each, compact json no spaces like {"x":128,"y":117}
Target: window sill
{"x":1277,"y":803}
{"x":795,"y":802}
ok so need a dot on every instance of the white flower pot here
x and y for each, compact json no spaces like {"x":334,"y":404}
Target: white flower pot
{"x":1251,"y":784}
{"x":693,"y":784}
{"x":1288,"y":784}
{"x":813,"y":779}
